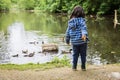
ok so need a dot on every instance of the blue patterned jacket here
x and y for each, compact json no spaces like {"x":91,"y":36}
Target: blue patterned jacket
{"x":76,"y":28}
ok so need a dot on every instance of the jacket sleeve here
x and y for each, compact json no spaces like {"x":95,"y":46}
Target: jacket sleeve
{"x":67,"y":35}
{"x":84,"y":27}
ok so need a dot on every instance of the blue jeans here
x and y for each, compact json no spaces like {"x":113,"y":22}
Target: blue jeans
{"x":79,"y":50}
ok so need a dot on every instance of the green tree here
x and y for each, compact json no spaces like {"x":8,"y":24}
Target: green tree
{"x":40,"y":4}
{"x":5,"y":5}
{"x":99,"y":7}
{"x":27,"y":4}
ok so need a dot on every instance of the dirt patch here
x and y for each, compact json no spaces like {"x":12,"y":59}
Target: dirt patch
{"x":93,"y":73}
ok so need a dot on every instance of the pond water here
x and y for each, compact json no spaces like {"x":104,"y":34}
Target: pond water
{"x":26,"y":31}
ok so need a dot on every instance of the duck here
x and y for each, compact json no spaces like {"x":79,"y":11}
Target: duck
{"x":42,"y":42}
{"x":25,"y":55}
{"x":39,"y":51}
{"x":15,"y":55}
{"x":25,"y":51}
{"x":66,"y":52}
{"x":63,"y":39}
{"x":34,"y":42}
{"x":31,"y":54}
{"x":45,"y":53}
{"x":93,"y":16}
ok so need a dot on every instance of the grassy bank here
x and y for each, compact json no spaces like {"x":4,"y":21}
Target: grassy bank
{"x":55,"y":63}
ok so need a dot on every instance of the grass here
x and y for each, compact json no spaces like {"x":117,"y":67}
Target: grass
{"x":55,"y":63}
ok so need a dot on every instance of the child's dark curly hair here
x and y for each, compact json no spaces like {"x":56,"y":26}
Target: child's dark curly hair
{"x":77,"y":12}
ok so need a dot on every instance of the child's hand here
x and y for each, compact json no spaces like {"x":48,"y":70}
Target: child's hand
{"x":68,"y":44}
{"x":84,"y":37}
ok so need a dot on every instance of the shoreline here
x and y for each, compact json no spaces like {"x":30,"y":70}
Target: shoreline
{"x":105,"y":72}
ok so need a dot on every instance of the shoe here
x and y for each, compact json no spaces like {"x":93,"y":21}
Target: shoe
{"x":74,"y":69}
{"x":83,"y":67}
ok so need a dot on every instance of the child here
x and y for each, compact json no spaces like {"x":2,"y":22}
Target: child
{"x":78,"y":35}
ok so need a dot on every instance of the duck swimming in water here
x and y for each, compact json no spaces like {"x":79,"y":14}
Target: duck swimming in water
{"x":66,"y":52}
{"x":15,"y":55}
{"x":25,"y":51}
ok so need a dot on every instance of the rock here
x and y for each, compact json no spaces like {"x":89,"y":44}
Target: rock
{"x":114,"y":75}
{"x":49,"y":47}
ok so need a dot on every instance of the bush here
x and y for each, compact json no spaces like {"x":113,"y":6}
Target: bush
{"x":63,"y":62}
{"x":104,"y":8}
{"x":27,"y":4}
{"x":5,"y":5}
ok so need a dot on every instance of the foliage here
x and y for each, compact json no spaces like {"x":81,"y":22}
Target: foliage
{"x":104,"y":8}
{"x":26,"y":4}
{"x":5,"y":5}
{"x":63,"y":61}
{"x":99,"y":7}
{"x":14,"y":1}
{"x":39,"y":4}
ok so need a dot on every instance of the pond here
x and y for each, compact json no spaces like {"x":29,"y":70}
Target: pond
{"x":25,"y":31}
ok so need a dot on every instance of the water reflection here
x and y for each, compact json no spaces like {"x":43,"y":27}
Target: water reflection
{"x":17,"y":38}
{"x":104,"y":41}
{"x":4,"y":55}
